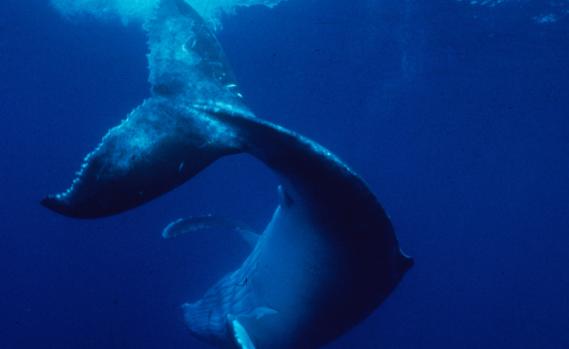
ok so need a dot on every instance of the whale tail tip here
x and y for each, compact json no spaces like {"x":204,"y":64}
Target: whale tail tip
{"x":55,"y":204}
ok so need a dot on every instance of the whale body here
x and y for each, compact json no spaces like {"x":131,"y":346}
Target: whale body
{"x":329,"y":255}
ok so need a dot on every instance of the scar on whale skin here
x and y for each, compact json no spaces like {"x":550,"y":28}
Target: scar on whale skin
{"x":329,"y":255}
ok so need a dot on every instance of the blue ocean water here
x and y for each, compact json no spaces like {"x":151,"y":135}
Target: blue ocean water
{"x":455,"y":113}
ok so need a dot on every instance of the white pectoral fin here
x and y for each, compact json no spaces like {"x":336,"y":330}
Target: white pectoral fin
{"x":238,"y":325}
{"x":241,"y":338}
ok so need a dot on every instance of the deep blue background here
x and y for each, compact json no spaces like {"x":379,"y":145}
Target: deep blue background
{"x":457,"y":116}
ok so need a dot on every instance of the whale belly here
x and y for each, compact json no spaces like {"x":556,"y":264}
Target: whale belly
{"x":311,"y":281}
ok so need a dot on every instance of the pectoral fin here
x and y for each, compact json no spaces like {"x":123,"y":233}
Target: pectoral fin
{"x":187,"y":225}
{"x":239,"y":334}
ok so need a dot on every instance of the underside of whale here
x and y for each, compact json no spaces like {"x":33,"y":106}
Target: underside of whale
{"x":329,"y":255}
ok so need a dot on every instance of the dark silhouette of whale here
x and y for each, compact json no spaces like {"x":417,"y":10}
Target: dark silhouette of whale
{"x":329,"y":255}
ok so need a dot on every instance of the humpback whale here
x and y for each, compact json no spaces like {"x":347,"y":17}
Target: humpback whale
{"x":329,"y":255}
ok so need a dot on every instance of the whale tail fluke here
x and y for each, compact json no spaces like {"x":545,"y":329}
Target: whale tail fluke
{"x":166,"y":140}
{"x":157,"y":148}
